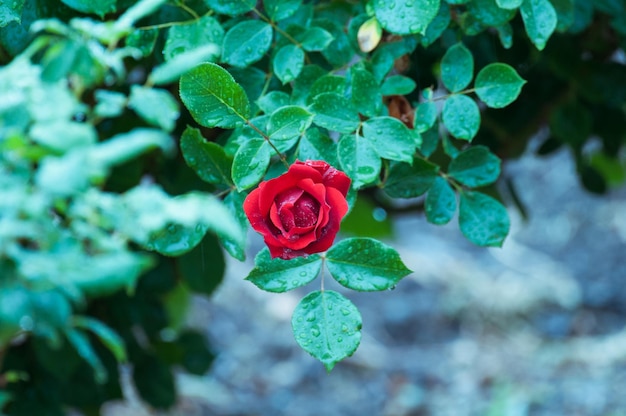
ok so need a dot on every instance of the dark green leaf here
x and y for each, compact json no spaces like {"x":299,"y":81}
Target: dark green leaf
{"x":430,"y":140}
{"x":287,"y":124}
{"x":440,"y":202}
{"x":272,"y":101}
{"x":203,"y":267}
{"x":366,"y":95}
{"x":234,"y":203}
{"x":328,"y":83}
{"x":461,"y":116}
{"x":498,"y":85}
{"x":278,"y":275}
{"x":391,"y":138}
{"x":230,"y":7}
{"x":482,"y":219}
{"x":11,"y":11}
{"x":250,"y":163}
{"x":571,"y":123}
{"x":425,"y":116}
{"x":197,"y":355}
{"x":183,"y":38}
{"x":457,"y":67}
{"x":247,"y":42}
{"x":207,"y":159}
{"x":156,"y":106}
{"x":317,"y":146}
{"x":540,"y":21}
{"x":509,"y":4}
{"x":397,"y":85}
{"x":408,"y":181}
{"x":365,"y":264}
{"x":144,"y":40}
{"x":109,"y":338}
{"x":304,"y":82}
{"x":99,"y":7}
{"x":288,"y":63}
{"x":334,"y":112}
{"x":488,"y":13}
{"x":84,"y":349}
{"x":564,"y":13}
{"x":278,"y":10}
{"x":213,"y":97}
{"x":437,"y":26}
{"x":475,"y":167}
{"x":327,"y":326}
{"x":358,"y":160}
{"x":154,"y":381}
{"x":410,"y":17}
{"x":315,"y":39}
{"x":176,"y":239}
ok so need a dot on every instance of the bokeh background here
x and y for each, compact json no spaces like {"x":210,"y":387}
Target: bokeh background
{"x":534,"y":328}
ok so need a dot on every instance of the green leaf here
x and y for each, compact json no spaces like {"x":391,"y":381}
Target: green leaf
{"x":156,"y":106}
{"x":461,"y":116}
{"x":408,"y":18}
{"x":366,"y":95}
{"x":202,"y":32}
{"x":475,"y":167}
{"x":315,"y":39}
{"x":565,"y":14}
{"x":207,"y":159}
{"x":176,"y":239}
{"x":339,"y":52}
{"x":11,"y":11}
{"x":498,"y":85}
{"x":390,"y":137}
{"x":482,"y":219}
{"x":509,"y":4}
{"x":425,"y":116}
{"x":327,"y":326}
{"x":303,"y":84}
{"x":317,"y":146}
{"x":288,"y":63}
{"x":246,"y":42}
{"x":230,"y":7}
{"x":63,"y":136}
{"x":334,"y":112}
{"x":327,"y":83}
{"x":154,"y":381}
{"x":489,"y":13}
{"x":182,"y":63}
{"x":110,"y":103}
{"x":397,"y":85}
{"x":278,"y":10}
{"x":144,"y":40}
{"x":365,"y":264}
{"x":440,"y":203}
{"x":409,"y":181}
{"x":109,"y":338}
{"x":250,"y":163}
{"x":213,"y":97}
{"x":99,"y":7}
{"x":540,"y":21}
{"x":437,"y":26}
{"x":203,"y":267}
{"x":234,"y":203}
{"x":287,"y":124}
{"x":278,"y":275}
{"x":457,"y":67}
{"x":358,"y":160}
{"x":571,"y":123}
{"x":505,"y":33}
{"x":272,"y":101}
{"x":84,"y":349}
{"x":430,"y":141}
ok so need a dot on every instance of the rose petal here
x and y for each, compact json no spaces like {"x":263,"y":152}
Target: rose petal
{"x":326,"y":235}
{"x":330,"y":176}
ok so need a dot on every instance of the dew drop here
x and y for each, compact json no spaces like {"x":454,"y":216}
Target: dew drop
{"x":315,"y":332}
{"x":303,"y":274}
{"x":345,"y":312}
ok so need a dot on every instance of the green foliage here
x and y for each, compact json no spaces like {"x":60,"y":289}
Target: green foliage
{"x":107,"y":230}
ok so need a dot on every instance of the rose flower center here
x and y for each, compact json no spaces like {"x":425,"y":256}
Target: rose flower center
{"x":297,"y":209}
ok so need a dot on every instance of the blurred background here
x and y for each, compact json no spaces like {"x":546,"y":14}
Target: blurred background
{"x":533,"y":328}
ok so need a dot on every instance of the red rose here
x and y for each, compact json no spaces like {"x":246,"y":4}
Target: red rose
{"x":299,"y":212}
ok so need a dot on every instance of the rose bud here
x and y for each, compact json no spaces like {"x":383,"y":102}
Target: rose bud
{"x":299,"y":212}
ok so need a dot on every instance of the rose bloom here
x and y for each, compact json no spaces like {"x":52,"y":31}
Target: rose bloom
{"x":299,"y":212}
